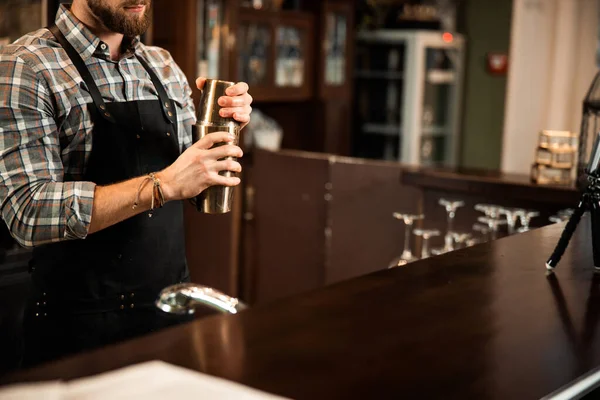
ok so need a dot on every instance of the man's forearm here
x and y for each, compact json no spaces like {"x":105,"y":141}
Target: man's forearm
{"x":114,"y":203}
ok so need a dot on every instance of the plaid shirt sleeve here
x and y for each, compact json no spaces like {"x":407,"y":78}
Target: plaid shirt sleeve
{"x":36,"y":204}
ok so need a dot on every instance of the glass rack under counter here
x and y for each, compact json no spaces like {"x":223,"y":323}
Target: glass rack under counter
{"x":408,"y":91}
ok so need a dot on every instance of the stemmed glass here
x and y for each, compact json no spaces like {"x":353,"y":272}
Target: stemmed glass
{"x":511,"y":218}
{"x":493,"y":224}
{"x":525,"y":218}
{"x":457,"y":237}
{"x":472,"y":242}
{"x":426,"y":234}
{"x":561,"y":216}
{"x":461,"y":238}
{"x":484,"y":208}
{"x":565,"y":214}
{"x":451,"y":207}
{"x":490,"y":210}
{"x":492,"y":218}
{"x":484,"y":230}
{"x":407,"y":255}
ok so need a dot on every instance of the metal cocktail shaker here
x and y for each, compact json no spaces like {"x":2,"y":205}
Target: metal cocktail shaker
{"x":215,"y":199}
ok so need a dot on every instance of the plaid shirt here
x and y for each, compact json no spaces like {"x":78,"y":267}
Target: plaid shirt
{"x":46,"y":128}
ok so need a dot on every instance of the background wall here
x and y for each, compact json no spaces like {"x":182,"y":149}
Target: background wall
{"x":18,"y":17}
{"x":489,"y":22}
{"x":552,"y":63}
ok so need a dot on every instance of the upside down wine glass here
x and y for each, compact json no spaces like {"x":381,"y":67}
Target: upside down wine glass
{"x":484,"y":230}
{"x":525,"y":217}
{"x":561,"y":216}
{"x":407,"y":255}
{"x":511,"y":218}
{"x":493,"y":224}
{"x":426,"y":234}
{"x":450,"y":207}
{"x":461,"y":238}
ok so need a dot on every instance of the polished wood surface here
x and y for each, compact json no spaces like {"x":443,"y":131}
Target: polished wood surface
{"x":289,"y":219}
{"x":353,"y":233}
{"x":363,"y":234}
{"x":324,"y":218}
{"x":480,"y":323}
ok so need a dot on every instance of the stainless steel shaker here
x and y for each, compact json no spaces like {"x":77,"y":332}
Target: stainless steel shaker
{"x":215,"y":199}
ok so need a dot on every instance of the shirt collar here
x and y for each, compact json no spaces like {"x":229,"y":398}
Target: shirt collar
{"x":83,"y":40}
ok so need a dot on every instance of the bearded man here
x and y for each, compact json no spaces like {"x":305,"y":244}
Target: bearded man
{"x":95,"y":134}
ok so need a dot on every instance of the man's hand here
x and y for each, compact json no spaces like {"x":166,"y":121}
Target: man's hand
{"x":236,"y":104}
{"x":198,"y":168}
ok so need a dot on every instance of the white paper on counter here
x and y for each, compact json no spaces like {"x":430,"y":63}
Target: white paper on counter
{"x":34,"y":391}
{"x":148,"y":381}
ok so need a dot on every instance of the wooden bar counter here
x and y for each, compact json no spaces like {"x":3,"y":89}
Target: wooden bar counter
{"x":489,"y":184}
{"x":480,"y":323}
{"x":336,"y":213}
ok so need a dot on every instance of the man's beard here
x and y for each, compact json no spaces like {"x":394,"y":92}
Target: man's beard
{"x":117,"y":19}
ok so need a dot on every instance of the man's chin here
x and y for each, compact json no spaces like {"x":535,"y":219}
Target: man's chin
{"x":135,"y":26}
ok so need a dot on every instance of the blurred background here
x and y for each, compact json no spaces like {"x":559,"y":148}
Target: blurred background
{"x":383,"y":132}
{"x":423,"y":82}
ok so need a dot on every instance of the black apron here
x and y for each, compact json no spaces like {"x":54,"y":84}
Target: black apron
{"x":101,"y":290}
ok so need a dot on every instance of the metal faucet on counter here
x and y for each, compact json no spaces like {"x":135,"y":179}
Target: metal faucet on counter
{"x":184,"y":298}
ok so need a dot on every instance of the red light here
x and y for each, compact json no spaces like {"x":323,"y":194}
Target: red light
{"x":447,"y":37}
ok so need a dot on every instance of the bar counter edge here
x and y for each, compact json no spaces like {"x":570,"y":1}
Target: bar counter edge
{"x":485,"y":322}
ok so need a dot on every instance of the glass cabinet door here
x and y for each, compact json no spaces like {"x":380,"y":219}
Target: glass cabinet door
{"x":289,"y":62}
{"x":254,"y":50}
{"x":210,"y":43}
{"x":438,"y":120}
{"x":335,"y":49}
{"x":273,"y":54}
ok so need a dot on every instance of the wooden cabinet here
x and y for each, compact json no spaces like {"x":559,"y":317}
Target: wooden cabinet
{"x":333,"y":103}
{"x":298,"y":63}
{"x":275,"y":52}
{"x":336,"y":50}
{"x":316,"y":219}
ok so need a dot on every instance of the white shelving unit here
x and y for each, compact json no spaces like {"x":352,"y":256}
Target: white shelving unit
{"x":424,"y":73}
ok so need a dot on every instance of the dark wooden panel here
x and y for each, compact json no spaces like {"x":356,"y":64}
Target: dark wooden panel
{"x":490,"y":184}
{"x":174,"y":29}
{"x":335,"y":120}
{"x":289,"y":222}
{"x":480,"y":323}
{"x":212,"y":249}
{"x":334,"y":102}
{"x":365,"y":236}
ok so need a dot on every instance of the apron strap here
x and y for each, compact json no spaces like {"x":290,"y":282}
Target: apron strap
{"x":84,"y":72}
{"x":165,"y":102}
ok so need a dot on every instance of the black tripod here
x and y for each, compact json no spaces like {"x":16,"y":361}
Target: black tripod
{"x":590,"y":201}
